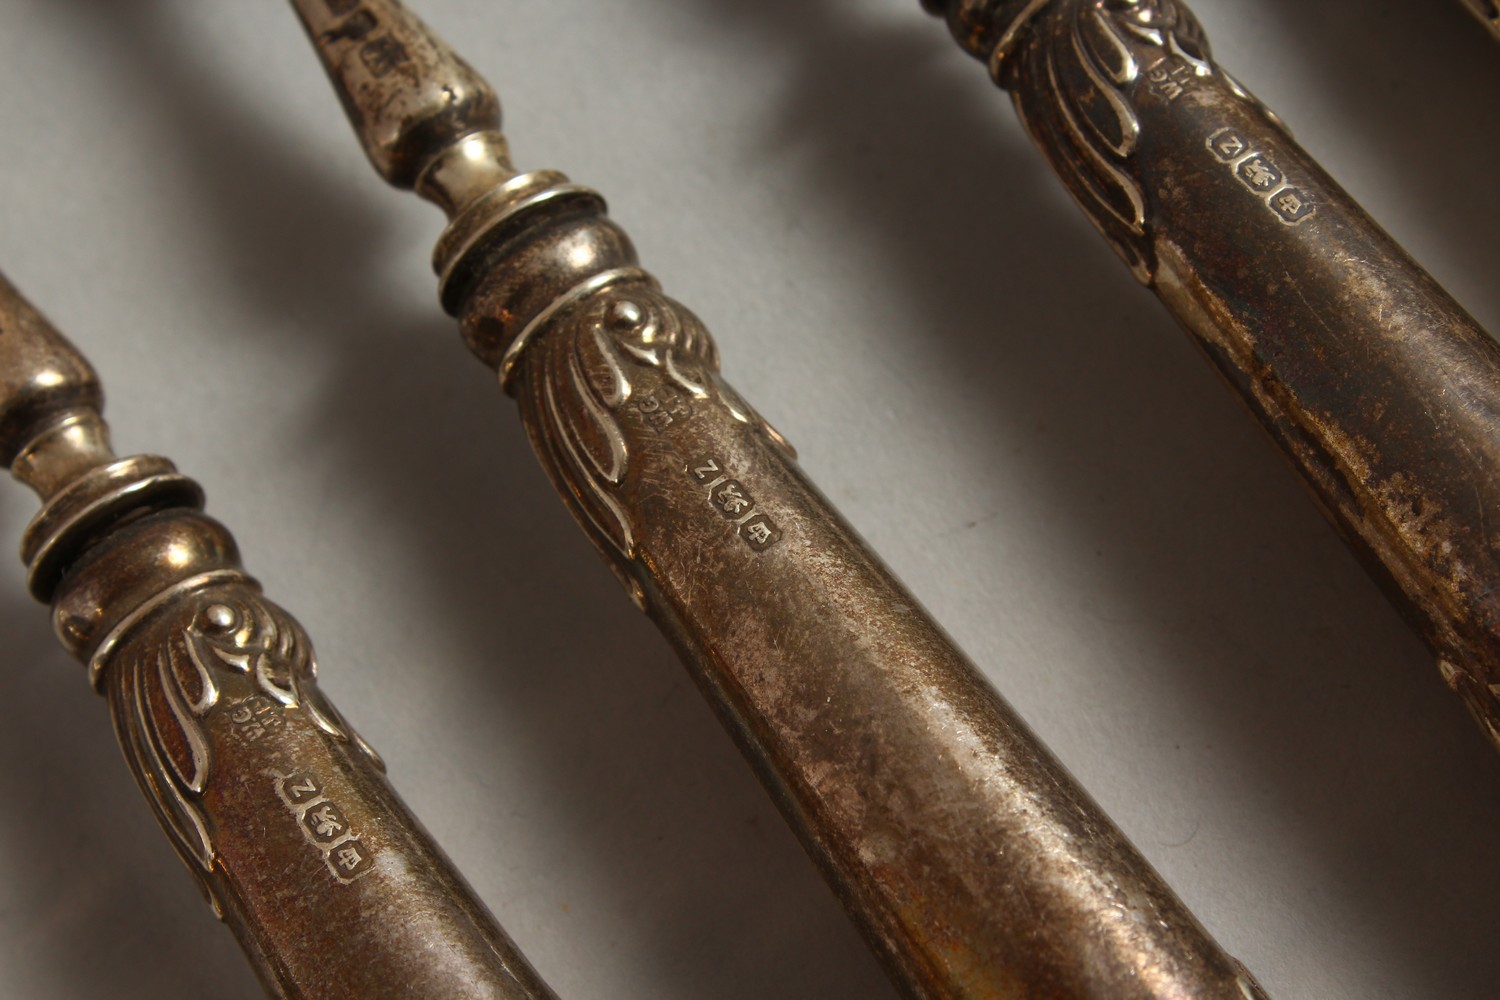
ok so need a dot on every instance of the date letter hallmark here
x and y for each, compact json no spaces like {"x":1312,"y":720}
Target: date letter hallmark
{"x":1260,"y":175}
{"x":730,"y":498}
{"x":324,"y":825}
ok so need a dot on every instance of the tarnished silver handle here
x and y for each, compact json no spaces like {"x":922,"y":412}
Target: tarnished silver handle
{"x":277,"y":807}
{"x":969,"y":857}
{"x":1381,"y":389}
{"x":972,"y":862}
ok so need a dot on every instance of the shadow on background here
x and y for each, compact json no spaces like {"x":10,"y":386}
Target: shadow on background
{"x":1139,"y":455}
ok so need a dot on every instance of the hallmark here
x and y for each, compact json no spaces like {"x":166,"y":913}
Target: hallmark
{"x":256,"y":716}
{"x":733,"y":501}
{"x":1292,"y":205}
{"x":1228,"y":145}
{"x":1170,"y":78}
{"x":351,"y":858}
{"x":663,"y":408}
{"x":300,"y":789}
{"x":324,"y":825}
{"x":1259,"y":174}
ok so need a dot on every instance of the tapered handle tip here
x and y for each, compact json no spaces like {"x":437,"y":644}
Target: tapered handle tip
{"x":408,"y":95}
{"x":43,"y":378}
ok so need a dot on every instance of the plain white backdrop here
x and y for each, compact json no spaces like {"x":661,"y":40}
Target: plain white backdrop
{"x":895,"y":280}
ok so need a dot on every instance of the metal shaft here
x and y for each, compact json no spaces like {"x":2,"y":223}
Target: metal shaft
{"x":1380,"y":388}
{"x":279,"y":810}
{"x":973,"y":863}
{"x":1488,"y":12}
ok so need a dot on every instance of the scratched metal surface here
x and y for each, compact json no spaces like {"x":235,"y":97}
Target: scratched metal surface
{"x":896,"y":279}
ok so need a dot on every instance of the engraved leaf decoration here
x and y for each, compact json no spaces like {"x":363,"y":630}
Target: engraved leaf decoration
{"x":576,"y":383}
{"x":161,"y":693}
{"x":585,"y":369}
{"x":583,"y":372}
{"x":174,"y":673}
{"x":266,"y":644}
{"x":1073,"y":82}
{"x":1076,"y":76}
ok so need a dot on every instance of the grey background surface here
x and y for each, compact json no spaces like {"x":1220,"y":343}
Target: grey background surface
{"x":899,"y":284}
